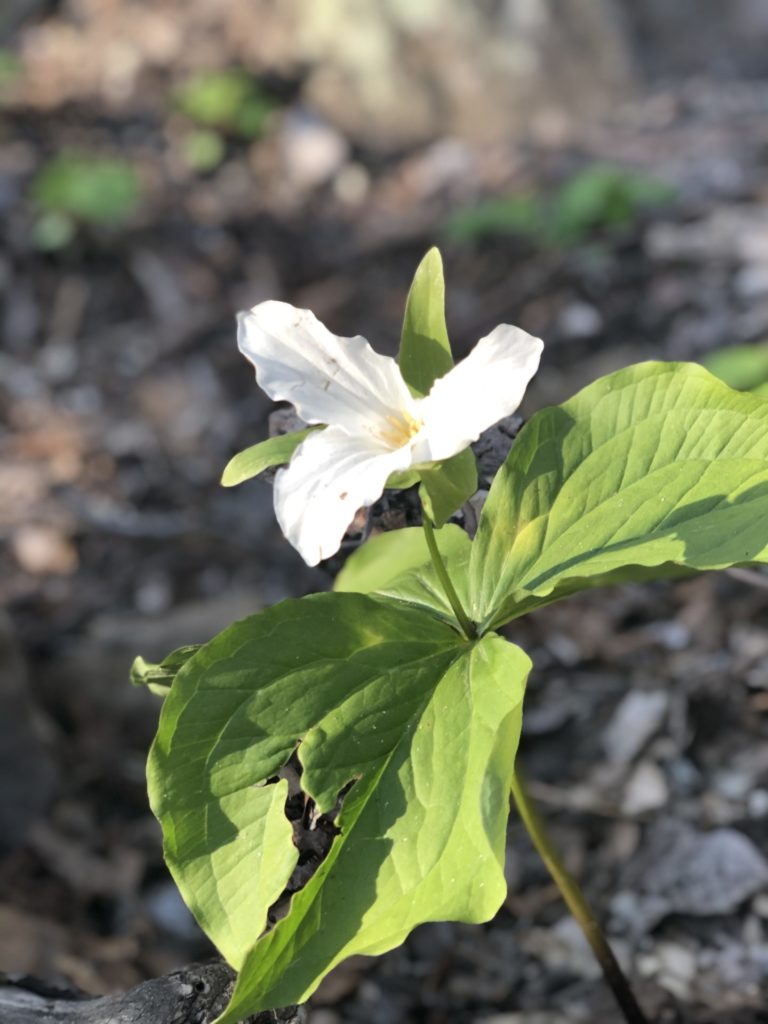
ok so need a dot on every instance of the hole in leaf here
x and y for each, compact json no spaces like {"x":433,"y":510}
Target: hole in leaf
{"x":313,"y":833}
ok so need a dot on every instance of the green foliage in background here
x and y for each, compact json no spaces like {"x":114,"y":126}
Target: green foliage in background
{"x":228,"y":100}
{"x":80,"y":188}
{"x":499,"y":215}
{"x":221,"y":104}
{"x":203,"y":149}
{"x":600,"y":197}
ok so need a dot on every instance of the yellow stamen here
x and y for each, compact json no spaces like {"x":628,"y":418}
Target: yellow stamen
{"x":402,"y":427}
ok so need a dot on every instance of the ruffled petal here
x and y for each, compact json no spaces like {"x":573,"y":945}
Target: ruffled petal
{"x":331,"y":476}
{"x":338,"y":381}
{"x":482,"y":389}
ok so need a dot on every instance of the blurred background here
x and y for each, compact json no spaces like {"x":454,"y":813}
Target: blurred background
{"x":594,"y":171}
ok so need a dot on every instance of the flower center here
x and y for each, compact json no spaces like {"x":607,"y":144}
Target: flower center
{"x":399,"y":429}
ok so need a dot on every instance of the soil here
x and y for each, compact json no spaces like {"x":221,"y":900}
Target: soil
{"x":122,"y":396}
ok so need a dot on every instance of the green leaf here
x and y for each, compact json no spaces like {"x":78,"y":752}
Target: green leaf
{"x":401,"y":481}
{"x":93,"y":189}
{"x":229,"y":99}
{"x":398,"y":565}
{"x":203,"y":149}
{"x":276,"y":451}
{"x":659,"y":464}
{"x":374,"y":693}
{"x":744,"y":367}
{"x":425,"y":351}
{"x":498,"y":216}
{"x":602,"y":196}
{"x":53,"y":230}
{"x":159,"y":678}
{"x":423,"y":830}
{"x":445,"y":486}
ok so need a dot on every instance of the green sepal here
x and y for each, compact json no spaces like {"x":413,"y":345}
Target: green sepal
{"x":445,"y":486}
{"x":275,"y":451}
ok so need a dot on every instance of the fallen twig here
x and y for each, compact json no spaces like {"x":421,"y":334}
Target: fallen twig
{"x":195,"y":994}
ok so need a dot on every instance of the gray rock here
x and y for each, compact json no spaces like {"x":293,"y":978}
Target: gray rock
{"x":751,"y":281}
{"x":397,"y":73}
{"x":169,"y":911}
{"x":580,"y":320}
{"x":738,"y":232}
{"x":637,"y":718}
{"x":681,"y":870}
{"x":563,"y":947}
{"x":189,"y":623}
{"x":646,"y":789}
{"x":313,"y":150}
{"x":14,"y":13}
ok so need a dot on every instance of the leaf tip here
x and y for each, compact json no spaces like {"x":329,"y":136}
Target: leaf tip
{"x":432,"y":260}
{"x":230,"y":477}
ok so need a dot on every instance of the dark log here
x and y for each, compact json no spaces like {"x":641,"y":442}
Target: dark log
{"x":195,"y":994}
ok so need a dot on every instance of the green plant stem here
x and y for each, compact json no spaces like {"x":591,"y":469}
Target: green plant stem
{"x":468,"y":627}
{"x":578,"y":906}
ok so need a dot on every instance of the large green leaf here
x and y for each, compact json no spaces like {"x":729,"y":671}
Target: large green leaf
{"x":425,"y":351}
{"x":659,"y":464}
{"x":398,"y":564}
{"x":423,"y":829}
{"x":374,"y":693}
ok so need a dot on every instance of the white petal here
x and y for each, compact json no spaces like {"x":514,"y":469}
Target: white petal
{"x":339,"y":381}
{"x":482,"y":389}
{"x":330,"y":477}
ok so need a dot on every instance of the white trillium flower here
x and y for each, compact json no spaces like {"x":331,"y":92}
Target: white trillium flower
{"x":374,"y":425}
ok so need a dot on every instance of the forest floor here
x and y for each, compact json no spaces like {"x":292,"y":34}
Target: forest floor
{"x":122,"y":395}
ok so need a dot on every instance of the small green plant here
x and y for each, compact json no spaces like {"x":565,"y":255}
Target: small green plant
{"x":396,"y":696}
{"x":76,"y":189}
{"x":600,"y":197}
{"x":203,"y":149}
{"x":220,"y":104}
{"x":231,"y":101}
{"x":522,"y":215}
